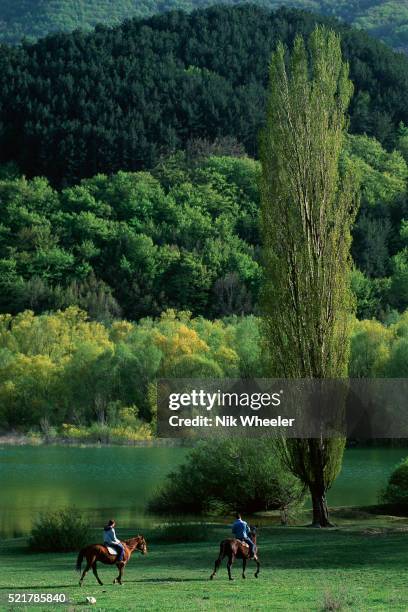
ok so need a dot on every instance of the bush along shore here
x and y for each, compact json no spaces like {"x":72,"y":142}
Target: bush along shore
{"x":87,"y":436}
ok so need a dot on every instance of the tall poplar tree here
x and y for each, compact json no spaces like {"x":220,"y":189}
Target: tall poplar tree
{"x":309,"y":204}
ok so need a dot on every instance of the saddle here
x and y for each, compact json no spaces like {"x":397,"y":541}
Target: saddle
{"x":111,"y":551}
{"x":246,"y":547}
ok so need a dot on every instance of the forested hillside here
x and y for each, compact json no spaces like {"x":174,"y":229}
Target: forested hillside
{"x":37,"y":18}
{"x":73,"y":105}
{"x":129,"y":212}
{"x":185,"y":236}
{"x":387,"y":19}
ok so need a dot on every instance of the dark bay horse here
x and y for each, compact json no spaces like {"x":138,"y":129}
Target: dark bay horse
{"x":235,"y":549}
{"x":99,"y":552}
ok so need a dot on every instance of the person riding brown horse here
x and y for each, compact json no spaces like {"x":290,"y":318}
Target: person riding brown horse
{"x":237,"y":549}
{"x":99,"y":552}
{"x":110,"y":539}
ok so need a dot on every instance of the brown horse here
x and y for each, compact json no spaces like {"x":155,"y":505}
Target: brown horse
{"x":99,"y":552}
{"x":235,"y":549}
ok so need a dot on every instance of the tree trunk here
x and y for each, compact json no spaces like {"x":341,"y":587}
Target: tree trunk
{"x":320,"y":510}
{"x":284,"y":515}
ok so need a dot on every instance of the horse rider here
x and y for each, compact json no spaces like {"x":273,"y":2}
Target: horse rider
{"x":241,"y":531}
{"x":110,"y":539}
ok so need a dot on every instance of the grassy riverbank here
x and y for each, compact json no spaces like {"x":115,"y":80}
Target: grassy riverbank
{"x":88,"y":440}
{"x":360,"y":565}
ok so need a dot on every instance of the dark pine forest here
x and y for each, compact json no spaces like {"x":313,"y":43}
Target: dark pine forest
{"x":73,"y":105}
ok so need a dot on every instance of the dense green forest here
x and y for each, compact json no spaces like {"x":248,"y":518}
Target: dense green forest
{"x":387,"y":19}
{"x":73,"y":105}
{"x":184,"y":235}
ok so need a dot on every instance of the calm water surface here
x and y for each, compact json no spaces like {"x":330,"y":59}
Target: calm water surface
{"x":118,"y":481}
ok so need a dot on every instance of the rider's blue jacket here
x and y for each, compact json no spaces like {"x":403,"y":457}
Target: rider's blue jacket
{"x":109,"y":536}
{"x":241,"y":530}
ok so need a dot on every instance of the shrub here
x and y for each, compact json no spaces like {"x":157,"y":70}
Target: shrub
{"x":335,"y":602}
{"x":227,"y":475}
{"x":60,"y":531}
{"x":396,"y":491}
{"x":123,"y":434}
{"x":71,"y":432}
{"x":35,"y":438}
{"x":107,"y":434}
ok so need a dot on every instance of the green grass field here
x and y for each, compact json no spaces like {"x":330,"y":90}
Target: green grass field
{"x":359,"y":566}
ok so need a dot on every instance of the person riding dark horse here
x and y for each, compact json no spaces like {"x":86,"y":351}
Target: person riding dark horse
{"x":238,"y":547}
{"x":242,"y":531}
{"x":110,"y":539}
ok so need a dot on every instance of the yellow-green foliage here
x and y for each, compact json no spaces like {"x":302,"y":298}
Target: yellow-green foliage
{"x":63,"y":370}
{"x":378,"y":350}
{"x":81,"y":380}
{"x":116,"y":434}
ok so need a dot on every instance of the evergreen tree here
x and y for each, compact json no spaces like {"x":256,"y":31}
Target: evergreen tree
{"x":74,"y":105}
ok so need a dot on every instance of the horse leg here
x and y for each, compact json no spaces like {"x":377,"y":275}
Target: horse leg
{"x":218,"y":561}
{"x":230,"y":562}
{"x":121,"y":574}
{"x":216,"y":566}
{"x":119,"y":578}
{"x":258,"y":565}
{"x":244,"y":562}
{"x":96,"y":573}
{"x":87,"y":568}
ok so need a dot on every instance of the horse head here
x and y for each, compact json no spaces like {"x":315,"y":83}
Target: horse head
{"x":141,"y":545}
{"x":137,"y":543}
{"x":253,"y":530}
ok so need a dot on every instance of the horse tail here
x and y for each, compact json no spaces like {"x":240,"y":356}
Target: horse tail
{"x":222,"y":550}
{"x":79,"y":560}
